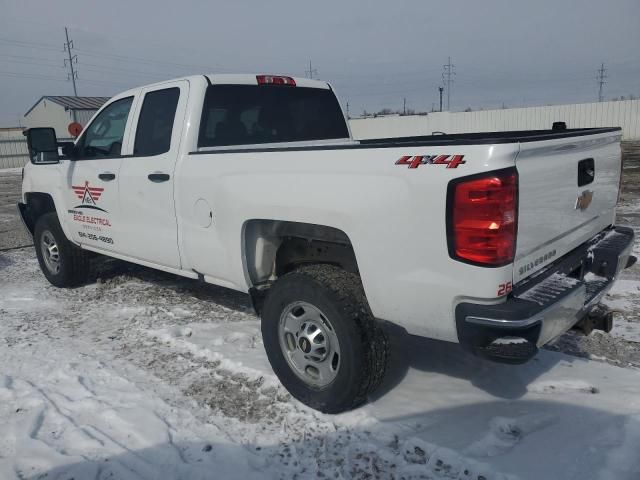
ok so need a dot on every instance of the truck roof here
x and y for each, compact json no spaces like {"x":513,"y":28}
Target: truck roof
{"x":233,"y":79}
{"x":250,"y":79}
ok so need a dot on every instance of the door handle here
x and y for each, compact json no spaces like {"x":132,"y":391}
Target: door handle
{"x":158,"y":177}
{"x":107,"y":176}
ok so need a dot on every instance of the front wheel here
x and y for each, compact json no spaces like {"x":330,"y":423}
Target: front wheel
{"x":61,"y":262}
{"x":321,"y":338}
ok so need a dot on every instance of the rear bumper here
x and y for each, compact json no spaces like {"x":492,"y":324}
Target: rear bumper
{"x":540,"y":309}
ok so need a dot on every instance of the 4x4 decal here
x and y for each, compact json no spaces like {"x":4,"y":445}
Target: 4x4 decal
{"x":451,"y":161}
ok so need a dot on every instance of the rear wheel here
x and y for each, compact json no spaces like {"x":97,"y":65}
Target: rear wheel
{"x":61,"y":262}
{"x":309,"y":343}
{"x":321,"y":338}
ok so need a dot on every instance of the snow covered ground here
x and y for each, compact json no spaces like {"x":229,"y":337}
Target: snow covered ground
{"x":144,"y":375}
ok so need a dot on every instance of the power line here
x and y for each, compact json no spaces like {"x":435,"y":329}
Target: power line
{"x":98,"y":69}
{"x":94,"y":53}
{"x":72,"y":58}
{"x":24,"y":44}
{"x":27,"y":57}
{"x":601,"y":76}
{"x":31,"y":75}
{"x":447,"y":78}
{"x":36,"y":76}
{"x":39,"y":64}
{"x":419,"y":75}
{"x":107,"y":68}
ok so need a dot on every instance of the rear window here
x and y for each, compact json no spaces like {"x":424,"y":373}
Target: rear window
{"x":251,"y":114}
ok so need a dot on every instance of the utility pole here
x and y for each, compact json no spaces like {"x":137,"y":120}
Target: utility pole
{"x":311,"y":72}
{"x":348,"y":111}
{"x":440,"y":89}
{"x":72,"y":58}
{"x":601,"y":76}
{"x":404,"y":106}
{"x":447,"y":77}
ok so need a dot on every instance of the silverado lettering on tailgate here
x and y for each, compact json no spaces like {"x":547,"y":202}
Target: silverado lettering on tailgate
{"x":538,"y":261}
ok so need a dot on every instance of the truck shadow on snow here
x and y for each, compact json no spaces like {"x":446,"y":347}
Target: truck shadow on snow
{"x":407,"y":351}
{"x":450,"y":359}
{"x":481,"y":440}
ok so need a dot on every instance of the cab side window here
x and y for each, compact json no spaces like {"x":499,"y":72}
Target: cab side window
{"x":103,"y":138}
{"x":155,"y":125}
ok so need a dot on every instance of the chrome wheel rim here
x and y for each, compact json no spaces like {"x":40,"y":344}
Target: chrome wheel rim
{"x":50,"y":252}
{"x":309,"y":344}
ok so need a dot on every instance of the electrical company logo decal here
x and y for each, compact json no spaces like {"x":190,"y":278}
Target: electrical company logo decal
{"x":89,"y":196}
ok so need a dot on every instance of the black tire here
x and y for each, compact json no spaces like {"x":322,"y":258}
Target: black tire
{"x":73,"y":263}
{"x":364,"y":349}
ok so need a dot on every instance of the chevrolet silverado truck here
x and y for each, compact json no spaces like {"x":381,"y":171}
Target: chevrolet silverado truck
{"x":498,"y":241}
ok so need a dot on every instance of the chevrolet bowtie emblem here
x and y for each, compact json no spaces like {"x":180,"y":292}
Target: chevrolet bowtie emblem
{"x":584,"y":200}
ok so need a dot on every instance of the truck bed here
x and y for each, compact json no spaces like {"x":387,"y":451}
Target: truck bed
{"x":477,"y":138}
{"x":482,"y":138}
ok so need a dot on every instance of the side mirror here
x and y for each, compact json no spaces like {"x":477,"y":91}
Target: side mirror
{"x":43,"y":145}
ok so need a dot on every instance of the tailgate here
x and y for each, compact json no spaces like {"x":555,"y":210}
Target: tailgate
{"x":568,"y":190}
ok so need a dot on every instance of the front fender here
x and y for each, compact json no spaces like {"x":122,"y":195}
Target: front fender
{"x":27,"y":221}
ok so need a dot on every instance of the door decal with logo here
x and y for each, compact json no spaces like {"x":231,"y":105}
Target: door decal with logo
{"x":89,"y":197}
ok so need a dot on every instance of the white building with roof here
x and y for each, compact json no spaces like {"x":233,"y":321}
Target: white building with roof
{"x":59,"y":111}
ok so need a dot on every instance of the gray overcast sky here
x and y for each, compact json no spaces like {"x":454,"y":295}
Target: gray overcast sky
{"x":374,"y":53}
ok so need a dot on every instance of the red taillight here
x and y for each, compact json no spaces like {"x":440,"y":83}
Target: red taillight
{"x":483,"y":219}
{"x":275,"y":80}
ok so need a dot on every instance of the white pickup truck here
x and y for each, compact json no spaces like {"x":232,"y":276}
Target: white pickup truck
{"x":498,"y":241}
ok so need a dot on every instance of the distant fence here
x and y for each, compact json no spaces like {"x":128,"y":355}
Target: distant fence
{"x":13,"y":149}
{"x":624,"y":113}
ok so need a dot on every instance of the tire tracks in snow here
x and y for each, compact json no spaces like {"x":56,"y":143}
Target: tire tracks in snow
{"x":110,"y":320}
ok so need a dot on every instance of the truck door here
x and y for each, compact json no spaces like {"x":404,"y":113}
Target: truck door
{"x":146,"y":178}
{"x":91,"y":196}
